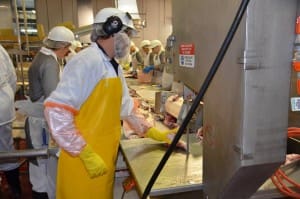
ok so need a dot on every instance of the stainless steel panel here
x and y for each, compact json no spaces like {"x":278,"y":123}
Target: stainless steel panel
{"x":205,"y":24}
{"x":246,"y":106}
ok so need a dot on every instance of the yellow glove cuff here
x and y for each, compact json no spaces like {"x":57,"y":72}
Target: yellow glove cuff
{"x":160,"y":135}
{"x":86,"y":151}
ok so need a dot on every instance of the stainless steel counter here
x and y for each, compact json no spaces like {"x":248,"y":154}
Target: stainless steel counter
{"x":145,"y":91}
{"x":181,"y":174}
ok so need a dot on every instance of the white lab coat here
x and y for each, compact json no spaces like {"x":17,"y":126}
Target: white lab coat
{"x":8,"y":80}
{"x":82,"y":76}
{"x":157,"y":76}
{"x":145,"y":57}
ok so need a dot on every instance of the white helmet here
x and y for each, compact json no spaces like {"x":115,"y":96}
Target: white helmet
{"x":145,"y":43}
{"x":105,"y":13}
{"x":61,"y":33}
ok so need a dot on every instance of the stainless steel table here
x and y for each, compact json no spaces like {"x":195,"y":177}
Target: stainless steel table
{"x":181,"y":174}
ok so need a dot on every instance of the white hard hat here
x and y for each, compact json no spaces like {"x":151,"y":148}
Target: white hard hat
{"x":105,"y":13}
{"x":145,"y":43}
{"x":155,"y":43}
{"x":61,"y":33}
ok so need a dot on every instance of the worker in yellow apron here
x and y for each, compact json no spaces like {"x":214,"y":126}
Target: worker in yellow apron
{"x":84,"y":112}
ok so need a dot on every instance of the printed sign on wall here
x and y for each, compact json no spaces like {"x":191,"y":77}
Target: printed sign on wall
{"x":295,"y":103}
{"x":187,"y":55}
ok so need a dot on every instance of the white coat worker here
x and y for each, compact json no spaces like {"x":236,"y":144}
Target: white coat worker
{"x":84,"y":112}
{"x":8,"y":82}
{"x":43,"y":76}
{"x":157,"y":61}
{"x":145,"y":51}
{"x":132,"y":60}
{"x":136,"y":58}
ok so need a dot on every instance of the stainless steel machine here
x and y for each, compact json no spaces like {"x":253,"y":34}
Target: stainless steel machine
{"x":246,"y":106}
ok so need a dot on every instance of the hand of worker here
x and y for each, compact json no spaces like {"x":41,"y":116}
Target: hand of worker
{"x":147,"y":69}
{"x":93,"y":163}
{"x":165,"y":136}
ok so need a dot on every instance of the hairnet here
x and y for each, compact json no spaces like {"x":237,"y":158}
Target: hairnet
{"x":155,"y":43}
{"x":145,"y":43}
{"x":55,"y":44}
{"x":76,"y":44}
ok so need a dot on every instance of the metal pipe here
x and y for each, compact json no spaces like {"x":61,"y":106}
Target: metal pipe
{"x":202,"y":91}
{"x":19,"y":58}
{"x":23,"y":153}
{"x":17,"y":23}
{"x":25,"y":25}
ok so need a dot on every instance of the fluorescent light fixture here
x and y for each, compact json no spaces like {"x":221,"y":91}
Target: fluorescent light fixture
{"x":28,"y":30}
{"x":129,"y":6}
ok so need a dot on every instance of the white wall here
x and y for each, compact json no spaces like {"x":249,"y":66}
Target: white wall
{"x":157,"y":13}
{"x":5,"y":15}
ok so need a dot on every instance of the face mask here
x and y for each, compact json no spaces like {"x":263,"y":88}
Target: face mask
{"x":122,"y":45}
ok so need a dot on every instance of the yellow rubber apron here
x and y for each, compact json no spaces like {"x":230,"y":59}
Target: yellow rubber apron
{"x":99,"y":123}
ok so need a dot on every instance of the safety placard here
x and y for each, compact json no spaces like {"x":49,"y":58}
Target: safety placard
{"x":187,"y":55}
{"x":295,"y":104}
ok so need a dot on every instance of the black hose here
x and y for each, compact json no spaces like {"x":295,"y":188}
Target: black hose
{"x":200,"y":95}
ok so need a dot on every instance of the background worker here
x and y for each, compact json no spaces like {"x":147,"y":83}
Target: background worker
{"x":125,"y":62}
{"x":74,"y":49}
{"x":136,"y":58}
{"x":8,"y":82}
{"x":84,"y":112}
{"x":132,"y":60}
{"x":157,"y":59}
{"x":145,"y":51}
{"x":43,"y":77}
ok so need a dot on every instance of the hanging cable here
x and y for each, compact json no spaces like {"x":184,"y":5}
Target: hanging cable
{"x":204,"y":87}
{"x":280,"y":179}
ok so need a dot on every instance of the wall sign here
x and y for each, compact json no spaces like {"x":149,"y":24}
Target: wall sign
{"x":187,"y":55}
{"x":295,"y":103}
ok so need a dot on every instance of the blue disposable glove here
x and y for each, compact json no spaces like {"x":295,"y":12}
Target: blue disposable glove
{"x":147,"y":69}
